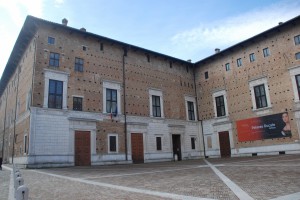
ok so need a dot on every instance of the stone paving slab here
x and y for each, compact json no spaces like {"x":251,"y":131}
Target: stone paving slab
{"x":4,"y":184}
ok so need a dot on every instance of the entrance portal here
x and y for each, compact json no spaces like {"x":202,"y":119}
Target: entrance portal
{"x":224,"y":144}
{"x":176,"y":146}
{"x":82,"y":148}
{"x":137,"y":148}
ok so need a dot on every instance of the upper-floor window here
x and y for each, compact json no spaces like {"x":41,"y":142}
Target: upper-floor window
{"x":297,"y":56}
{"x":298,"y":84}
{"x":206,"y":75}
{"x":54,"y":59}
{"x":239,"y":62}
{"x":55,"y":96}
{"x":297,"y":40}
{"x":111,"y":101}
{"x":51,"y":40}
{"x":148,"y":57}
{"x":101,"y":46}
{"x":220,"y":106}
{"x":158,"y":144}
{"x":260,"y":96}
{"x":79,"y":64}
{"x":84,"y":48}
{"x":227,"y":66}
{"x":156,"y":109}
{"x":191,"y":111}
{"x":77,"y":103}
{"x":266,"y":52}
{"x":252,"y":57}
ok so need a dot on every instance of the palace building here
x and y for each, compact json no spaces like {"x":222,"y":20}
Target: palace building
{"x":72,"y":98}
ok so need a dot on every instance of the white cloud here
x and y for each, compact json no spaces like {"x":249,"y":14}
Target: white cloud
{"x":58,"y":3}
{"x":226,"y":32}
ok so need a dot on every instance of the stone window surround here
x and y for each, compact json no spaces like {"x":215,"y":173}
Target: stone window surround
{"x":156,"y":92}
{"x":217,"y":94}
{"x":59,"y":76}
{"x":191,"y":99}
{"x":108,"y":143}
{"x":255,"y":82}
{"x":293,"y":72}
{"x":114,"y":86}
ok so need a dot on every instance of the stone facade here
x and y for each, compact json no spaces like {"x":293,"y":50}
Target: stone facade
{"x":169,"y":102}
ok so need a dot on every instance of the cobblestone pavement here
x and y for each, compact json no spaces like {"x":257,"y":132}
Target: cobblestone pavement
{"x":263,"y":177}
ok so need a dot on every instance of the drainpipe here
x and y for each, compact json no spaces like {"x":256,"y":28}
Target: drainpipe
{"x":16,"y":105}
{"x":194,"y":72}
{"x":124,"y":102}
{"x":4,"y":126}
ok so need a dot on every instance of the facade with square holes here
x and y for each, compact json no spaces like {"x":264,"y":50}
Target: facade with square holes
{"x":70,"y":97}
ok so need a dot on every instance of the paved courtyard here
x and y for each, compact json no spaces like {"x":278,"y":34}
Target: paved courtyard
{"x":262,"y":177}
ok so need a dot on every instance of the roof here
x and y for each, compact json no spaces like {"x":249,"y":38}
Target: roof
{"x":29,"y":29}
{"x":250,"y":40}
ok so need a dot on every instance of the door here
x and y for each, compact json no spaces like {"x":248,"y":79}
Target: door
{"x":82,"y":148}
{"x":224,"y":144}
{"x":176,"y":146}
{"x":137,"y":148}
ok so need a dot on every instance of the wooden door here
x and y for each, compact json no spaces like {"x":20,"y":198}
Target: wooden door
{"x":82,"y":148}
{"x":224,"y":144}
{"x":137,"y":148}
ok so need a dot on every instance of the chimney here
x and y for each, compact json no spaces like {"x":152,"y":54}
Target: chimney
{"x":189,"y":60}
{"x":217,"y":50}
{"x":64,"y":21}
{"x":280,"y":23}
{"x":83,"y":29}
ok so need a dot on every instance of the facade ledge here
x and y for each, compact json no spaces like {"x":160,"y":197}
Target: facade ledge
{"x":262,"y":111}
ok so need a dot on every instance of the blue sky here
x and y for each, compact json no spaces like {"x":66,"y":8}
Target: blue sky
{"x":189,"y":29}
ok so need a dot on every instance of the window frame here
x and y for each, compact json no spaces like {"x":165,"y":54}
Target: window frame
{"x":156,"y":92}
{"x":25,"y":144}
{"x":297,"y":39}
{"x":156,"y":106}
{"x":227,"y":67}
{"x":109,"y":148}
{"x":158,"y":143}
{"x":219,"y":93}
{"x":193,"y":143}
{"x":261,"y":98}
{"x":256,"y":82}
{"x":221,"y":111}
{"x":297,"y":56}
{"x":81,"y":106}
{"x":79,"y":63}
{"x":55,"y":94}
{"x":266,"y":52}
{"x":191,"y":111}
{"x":114,"y":86}
{"x":51,"y":40}
{"x":239,"y":62}
{"x":54,"y":59}
{"x":110,"y":101}
{"x":252,"y":57}
{"x":206,"y":75}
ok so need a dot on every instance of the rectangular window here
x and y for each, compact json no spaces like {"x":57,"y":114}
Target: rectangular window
{"x":158,"y":143}
{"x":239,"y":62}
{"x":297,"y":56}
{"x":191,"y":110}
{"x":77,"y":103}
{"x":297,"y":40}
{"x":227,"y":67}
{"x":51,"y":40}
{"x":84,"y":48}
{"x":298,"y":83}
{"x":55,"y":94}
{"x":252,"y":57}
{"x":111,"y":101}
{"x":112,"y":143}
{"x":54,"y":59}
{"x":148,"y":58}
{"x":206,"y":75}
{"x":78,"y":65}
{"x":220,"y":106}
{"x":101,"y":46}
{"x":260,"y":96}
{"x":266,"y":52}
{"x":156,"y":106}
{"x":193,"y":142}
{"x":25,"y":144}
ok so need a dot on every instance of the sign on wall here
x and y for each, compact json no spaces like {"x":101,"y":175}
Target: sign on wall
{"x":266,"y":127}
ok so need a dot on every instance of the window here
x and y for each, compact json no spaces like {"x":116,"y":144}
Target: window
{"x":191,"y":112}
{"x":156,"y":106}
{"x":84,"y":48}
{"x":25,"y":144}
{"x":77,"y":103}
{"x":78,"y":64}
{"x":54,"y":59}
{"x":101,"y":46}
{"x":148,"y":57}
{"x":111,"y":101}
{"x":227,"y":66}
{"x":297,"y":40}
{"x":193,"y":142}
{"x":298,"y":84}
{"x":260,"y":96}
{"x":206,"y":75}
{"x":55,"y":94}
{"x":252,"y":57}
{"x":239,"y":62}
{"x":51,"y":40}
{"x":171,"y":64}
{"x":220,"y":106}
{"x":266,"y":52}
{"x":297,"y":56}
{"x":113,"y":143}
{"x":158,"y":143}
